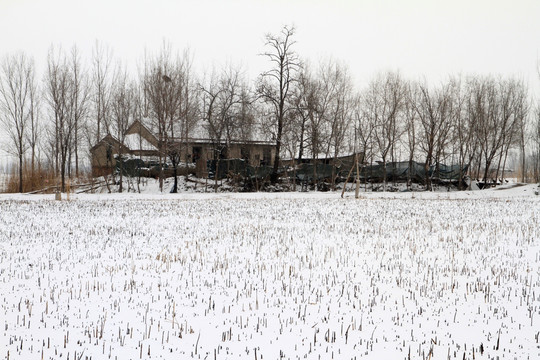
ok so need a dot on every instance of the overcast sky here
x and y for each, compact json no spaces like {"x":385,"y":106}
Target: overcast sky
{"x":420,"y":37}
{"x":428,"y":39}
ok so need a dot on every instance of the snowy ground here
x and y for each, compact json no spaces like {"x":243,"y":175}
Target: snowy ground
{"x":269,"y":276}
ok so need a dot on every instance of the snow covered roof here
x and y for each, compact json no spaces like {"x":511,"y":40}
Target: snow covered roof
{"x":137,"y":142}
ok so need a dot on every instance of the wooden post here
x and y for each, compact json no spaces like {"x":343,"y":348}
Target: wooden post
{"x":347,"y":180}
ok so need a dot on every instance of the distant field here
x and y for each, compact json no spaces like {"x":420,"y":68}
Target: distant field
{"x":240,"y":277}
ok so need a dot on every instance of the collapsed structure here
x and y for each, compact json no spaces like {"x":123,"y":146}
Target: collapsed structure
{"x":403,"y":171}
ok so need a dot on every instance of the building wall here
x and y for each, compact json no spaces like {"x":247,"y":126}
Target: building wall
{"x":100,"y":162}
{"x":99,"y":155}
{"x":256,"y":153}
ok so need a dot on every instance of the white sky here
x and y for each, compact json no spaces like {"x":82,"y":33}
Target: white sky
{"x":421,"y":38}
{"x":428,"y":38}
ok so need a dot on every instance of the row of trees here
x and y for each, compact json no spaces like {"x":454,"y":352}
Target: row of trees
{"x":310,"y":111}
{"x":473,"y":121}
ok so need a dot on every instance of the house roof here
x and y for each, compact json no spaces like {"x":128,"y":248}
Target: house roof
{"x":138,"y":142}
{"x":139,"y":138}
{"x":108,"y":139}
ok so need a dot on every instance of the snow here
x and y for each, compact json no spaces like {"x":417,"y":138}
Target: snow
{"x":137,"y":142}
{"x":271,"y":275}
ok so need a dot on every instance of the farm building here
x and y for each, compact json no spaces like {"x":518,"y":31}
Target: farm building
{"x":140,"y":143}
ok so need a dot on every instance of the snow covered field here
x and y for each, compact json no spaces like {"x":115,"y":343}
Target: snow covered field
{"x":270,"y":276}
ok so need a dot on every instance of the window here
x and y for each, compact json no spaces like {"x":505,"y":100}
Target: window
{"x":266,"y":156}
{"x":196,"y":151}
{"x":245,"y":153}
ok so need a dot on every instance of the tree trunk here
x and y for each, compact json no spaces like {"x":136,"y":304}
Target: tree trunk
{"x":63,"y":172}
{"x":409,"y":179}
{"x":523,"y":164}
{"x":301,"y":146}
{"x":274,"y":175}
{"x":486,"y":170}
{"x":504,"y":165}
{"x":121,"y":171}
{"x":76,"y":156}
{"x":426,"y":173}
{"x":33,"y":162}
{"x":479,"y":166}
{"x":20,"y":169}
{"x":499,"y":166}
{"x":175,"y":174}
{"x":384,"y":173}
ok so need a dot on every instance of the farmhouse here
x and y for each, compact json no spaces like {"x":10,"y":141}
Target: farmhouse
{"x":141,"y":143}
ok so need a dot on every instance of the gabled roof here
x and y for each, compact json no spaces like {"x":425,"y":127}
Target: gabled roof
{"x":108,"y":139}
{"x":137,"y":142}
{"x":139,"y":138}
{"x":137,"y":127}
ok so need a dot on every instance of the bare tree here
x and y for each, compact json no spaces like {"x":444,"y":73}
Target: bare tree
{"x":317,"y":111}
{"x":245,"y":113}
{"x":535,"y":137}
{"x":123,"y":111}
{"x":79,"y":101}
{"x":521,"y":107}
{"x":364,"y":128}
{"x":275,"y":84}
{"x":384,"y":102}
{"x":411,"y":125}
{"x":433,"y":109}
{"x":16,"y":87}
{"x":66,"y":97}
{"x":169,"y":91}
{"x":463,"y":128}
{"x":34,"y":132}
{"x":222,"y":103}
{"x":497,"y":110}
{"x":228,"y":101}
{"x":303,"y":101}
{"x":101,"y":89}
{"x":339,"y":115}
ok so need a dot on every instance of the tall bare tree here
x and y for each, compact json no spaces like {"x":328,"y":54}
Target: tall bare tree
{"x":521,"y":108}
{"x":223,"y":103}
{"x":535,"y":137}
{"x":79,"y":101}
{"x":123,"y":111}
{"x":364,"y":128}
{"x":66,"y":95}
{"x":101,"y":80}
{"x":245,"y":113}
{"x":497,"y":110}
{"x":433,"y":109}
{"x":225,"y":90}
{"x":463,"y":128}
{"x":411,"y":125}
{"x":384,"y":102}
{"x":16,"y":87}
{"x":35,"y":126}
{"x":169,"y":88}
{"x":275,"y":84}
{"x":303,"y":101}
{"x":340,"y":112}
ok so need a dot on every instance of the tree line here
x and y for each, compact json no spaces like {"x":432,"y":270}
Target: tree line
{"x":311,"y":111}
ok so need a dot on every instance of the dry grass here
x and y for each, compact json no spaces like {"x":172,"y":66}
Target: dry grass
{"x":42,"y":178}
